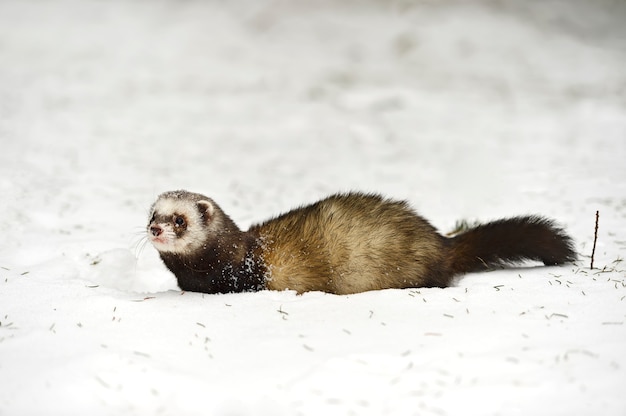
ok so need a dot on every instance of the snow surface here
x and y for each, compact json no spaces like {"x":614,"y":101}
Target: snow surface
{"x":473,"y":110}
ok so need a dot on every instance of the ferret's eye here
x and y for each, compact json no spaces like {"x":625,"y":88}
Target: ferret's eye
{"x":179,"y":221}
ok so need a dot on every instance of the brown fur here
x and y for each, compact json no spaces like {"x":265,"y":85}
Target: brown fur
{"x":349,"y":244}
{"x":346,"y":243}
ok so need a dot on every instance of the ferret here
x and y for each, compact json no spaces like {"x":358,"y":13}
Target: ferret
{"x":343,"y":244}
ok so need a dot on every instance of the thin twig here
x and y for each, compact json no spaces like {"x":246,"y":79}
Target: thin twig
{"x":595,"y":238}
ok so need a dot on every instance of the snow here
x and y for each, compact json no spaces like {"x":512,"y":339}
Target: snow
{"x":474,"y":110}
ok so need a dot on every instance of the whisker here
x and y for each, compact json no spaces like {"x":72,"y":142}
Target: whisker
{"x":139,"y":243}
{"x":141,"y":246}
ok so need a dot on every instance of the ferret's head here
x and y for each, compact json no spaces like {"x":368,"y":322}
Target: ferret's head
{"x":182,"y":222}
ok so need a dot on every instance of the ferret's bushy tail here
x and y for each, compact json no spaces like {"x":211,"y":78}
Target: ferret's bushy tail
{"x":508,"y":241}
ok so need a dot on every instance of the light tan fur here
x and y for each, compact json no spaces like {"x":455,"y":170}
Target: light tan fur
{"x":348,"y":249}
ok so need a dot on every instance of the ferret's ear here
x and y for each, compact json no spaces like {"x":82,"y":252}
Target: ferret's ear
{"x":206,"y":208}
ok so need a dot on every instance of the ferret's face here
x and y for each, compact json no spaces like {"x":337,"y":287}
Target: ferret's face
{"x":179,"y":225}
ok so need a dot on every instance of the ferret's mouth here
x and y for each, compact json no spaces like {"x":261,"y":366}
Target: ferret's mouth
{"x":160,"y":240}
{"x":159,"y":237}
{"x":163,"y":243}
{"x":165,"y":239}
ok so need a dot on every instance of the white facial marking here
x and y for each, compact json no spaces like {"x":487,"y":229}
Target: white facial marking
{"x":195,"y":234}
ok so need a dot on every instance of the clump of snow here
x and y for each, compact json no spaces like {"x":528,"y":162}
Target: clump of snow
{"x":468,"y":110}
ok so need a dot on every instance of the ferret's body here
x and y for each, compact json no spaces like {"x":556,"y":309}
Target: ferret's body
{"x":351,"y":243}
{"x":346,"y":243}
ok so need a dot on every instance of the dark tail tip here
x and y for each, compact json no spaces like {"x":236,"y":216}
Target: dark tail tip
{"x":511,"y":240}
{"x":554,"y":246}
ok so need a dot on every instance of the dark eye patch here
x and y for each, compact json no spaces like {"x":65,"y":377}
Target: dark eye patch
{"x":179,"y":220}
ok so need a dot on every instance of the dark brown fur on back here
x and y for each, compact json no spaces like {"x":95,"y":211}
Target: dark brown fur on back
{"x":350,"y":243}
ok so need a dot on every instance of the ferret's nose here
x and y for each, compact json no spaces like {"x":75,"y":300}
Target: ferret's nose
{"x":156,"y":230}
